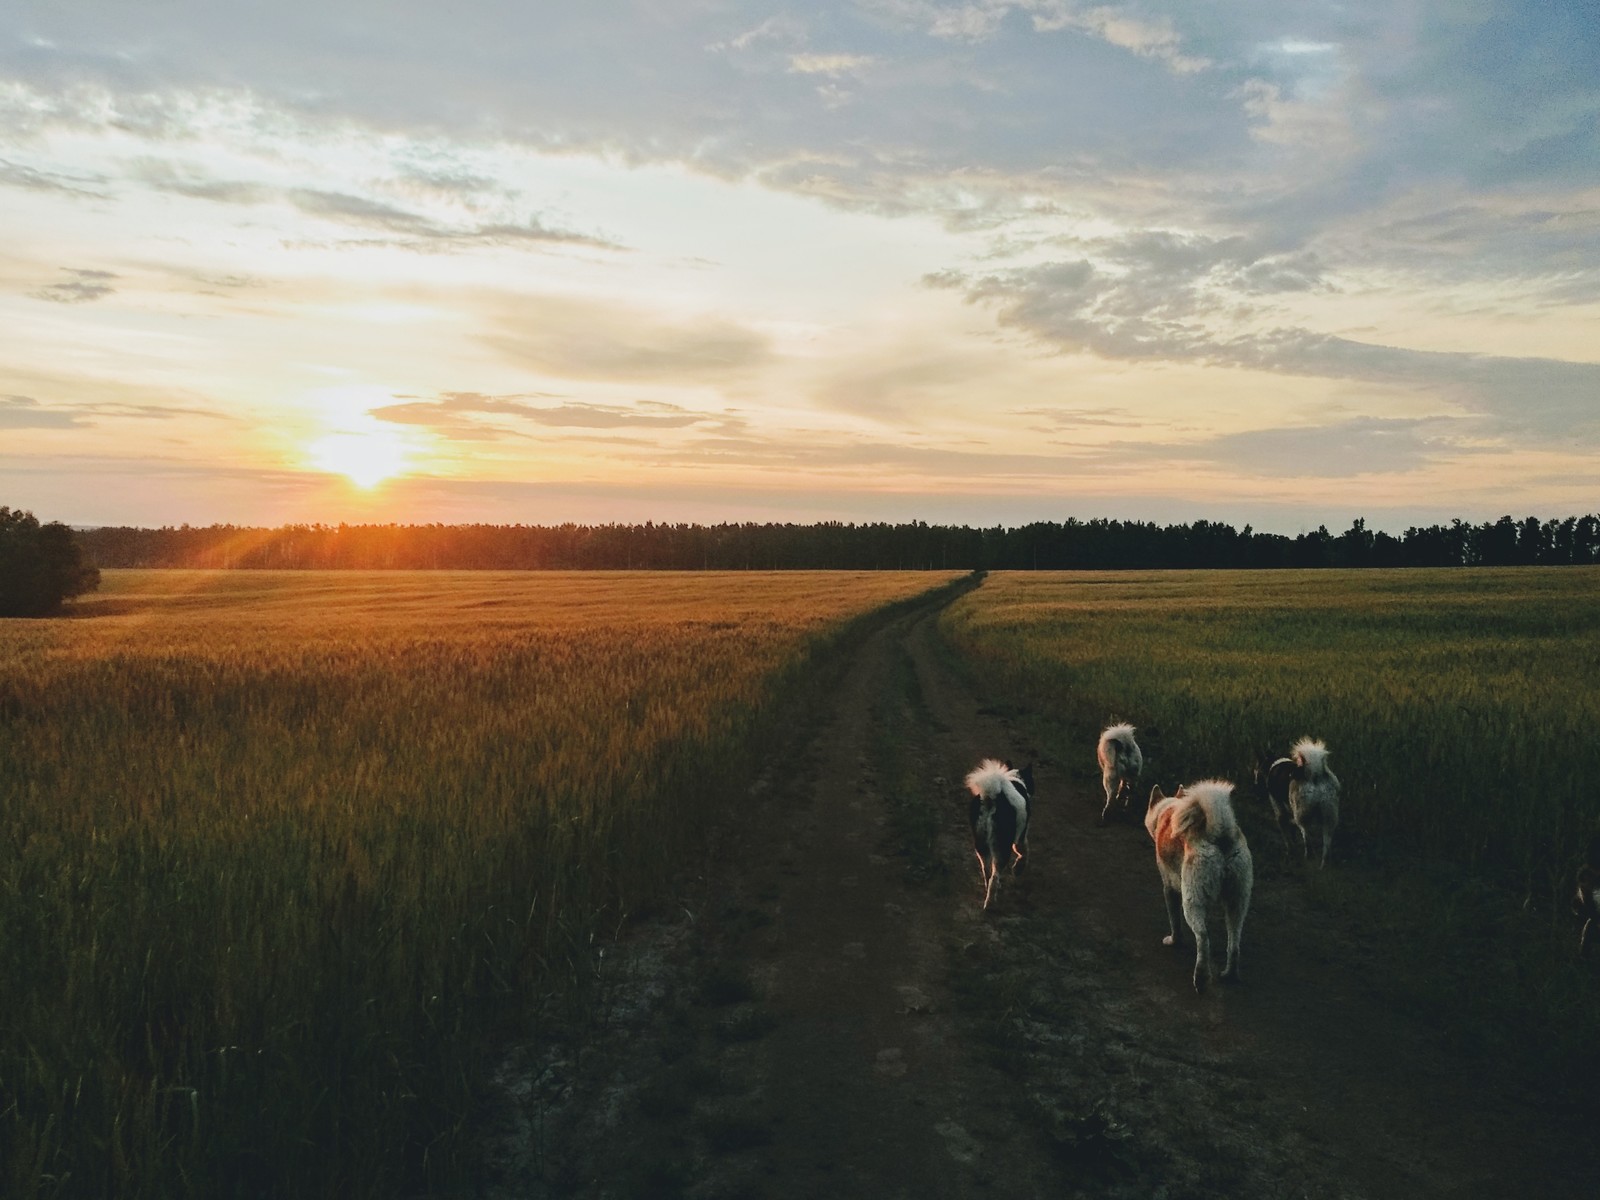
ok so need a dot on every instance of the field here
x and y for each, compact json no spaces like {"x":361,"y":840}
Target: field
{"x":288,"y":861}
{"x":278,"y":850}
{"x":1460,"y":708}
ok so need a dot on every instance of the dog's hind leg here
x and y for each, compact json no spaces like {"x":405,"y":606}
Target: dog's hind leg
{"x":1583,"y":938}
{"x":1111,"y":795}
{"x":1194,"y":912}
{"x":1171,"y":896}
{"x":1234,"y":913}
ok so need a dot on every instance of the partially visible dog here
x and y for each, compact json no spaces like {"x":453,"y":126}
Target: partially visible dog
{"x":1272,"y":776}
{"x":1586,"y":899}
{"x":1002,"y":802}
{"x":1313,"y":795}
{"x":1205,"y":864}
{"x":1120,"y":764}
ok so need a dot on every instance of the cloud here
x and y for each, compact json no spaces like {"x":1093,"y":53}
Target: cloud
{"x":579,"y":339}
{"x":20,"y":175}
{"x":24,"y":412}
{"x":453,"y":415}
{"x":1160,"y":299}
{"x":347,"y":208}
{"x":83,"y":288}
{"x":1342,"y":449}
{"x":828,"y":64}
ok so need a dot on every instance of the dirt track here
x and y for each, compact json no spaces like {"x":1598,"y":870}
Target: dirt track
{"x":830,"y":1013}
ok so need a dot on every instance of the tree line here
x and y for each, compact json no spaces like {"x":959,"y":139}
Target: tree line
{"x":830,"y":545}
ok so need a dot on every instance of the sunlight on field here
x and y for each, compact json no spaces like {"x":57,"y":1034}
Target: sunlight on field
{"x":275,"y":843}
{"x":1460,"y":705}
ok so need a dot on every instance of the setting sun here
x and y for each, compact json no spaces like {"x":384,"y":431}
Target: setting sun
{"x":365,"y":458}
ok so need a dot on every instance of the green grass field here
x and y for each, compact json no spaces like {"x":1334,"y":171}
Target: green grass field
{"x":278,"y":850}
{"x":1460,"y":706}
{"x":1461,"y":709}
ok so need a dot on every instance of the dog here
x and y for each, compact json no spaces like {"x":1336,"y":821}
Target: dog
{"x":1272,"y":777}
{"x":1586,"y":898}
{"x":1313,"y":795}
{"x":1120,"y":764}
{"x":1002,"y":802}
{"x":1204,"y":863}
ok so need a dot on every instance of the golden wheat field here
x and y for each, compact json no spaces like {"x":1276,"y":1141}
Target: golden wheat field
{"x":277,"y":849}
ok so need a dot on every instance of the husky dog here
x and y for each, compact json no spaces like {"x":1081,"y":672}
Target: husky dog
{"x":1204,"y":862}
{"x":1002,"y":799}
{"x":1586,"y":899}
{"x":1313,"y":794}
{"x":1120,"y":764}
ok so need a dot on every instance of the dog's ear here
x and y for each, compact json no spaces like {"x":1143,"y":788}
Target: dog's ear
{"x":1156,"y":797}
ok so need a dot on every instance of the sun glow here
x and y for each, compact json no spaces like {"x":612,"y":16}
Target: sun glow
{"x":365,"y":457}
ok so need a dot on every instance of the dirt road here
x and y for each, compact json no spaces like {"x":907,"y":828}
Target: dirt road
{"x":829,"y":1013}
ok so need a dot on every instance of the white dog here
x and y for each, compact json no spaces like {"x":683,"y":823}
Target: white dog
{"x":1204,"y":862}
{"x":1120,"y":764}
{"x":1001,"y":800}
{"x":1313,"y":795}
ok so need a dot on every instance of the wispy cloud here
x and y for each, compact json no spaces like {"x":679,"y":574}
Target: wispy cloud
{"x":83,"y":287}
{"x":24,"y":412}
{"x":454,"y":415}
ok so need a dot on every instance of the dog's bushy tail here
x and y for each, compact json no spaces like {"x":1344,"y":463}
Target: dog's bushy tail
{"x":1312,"y":755}
{"x":988,"y":781}
{"x":1117,"y":745}
{"x":1208,"y":817}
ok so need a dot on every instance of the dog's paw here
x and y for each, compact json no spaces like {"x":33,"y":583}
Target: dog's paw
{"x":1201,"y":979}
{"x":1169,"y":940}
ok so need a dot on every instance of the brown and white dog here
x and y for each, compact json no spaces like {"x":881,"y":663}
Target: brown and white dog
{"x":1002,"y":800}
{"x":1205,"y":864}
{"x":1120,"y":763}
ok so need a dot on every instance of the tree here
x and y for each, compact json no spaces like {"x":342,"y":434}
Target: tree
{"x":40,"y":566}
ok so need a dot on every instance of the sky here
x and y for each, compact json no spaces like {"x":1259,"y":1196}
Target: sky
{"x":1271,"y":263}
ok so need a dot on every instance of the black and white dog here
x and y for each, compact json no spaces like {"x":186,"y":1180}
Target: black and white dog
{"x":1304,"y":792}
{"x":1002,"y":801}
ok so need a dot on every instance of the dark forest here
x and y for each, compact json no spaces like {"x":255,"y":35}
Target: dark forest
{"x":1098,"y":544}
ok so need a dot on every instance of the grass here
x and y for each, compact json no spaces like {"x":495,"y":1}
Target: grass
{"x":1460,"y":708}
{"x":280,"y":851}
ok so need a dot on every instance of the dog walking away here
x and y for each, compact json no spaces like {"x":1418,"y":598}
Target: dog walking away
{"x":1313,"y":795}
{"x":1272,"y":776}
{"x":1205,"y":864}
{"x":1002,"y":800}
{"x":1120,"y":764}
{"x":1586,"y":899}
